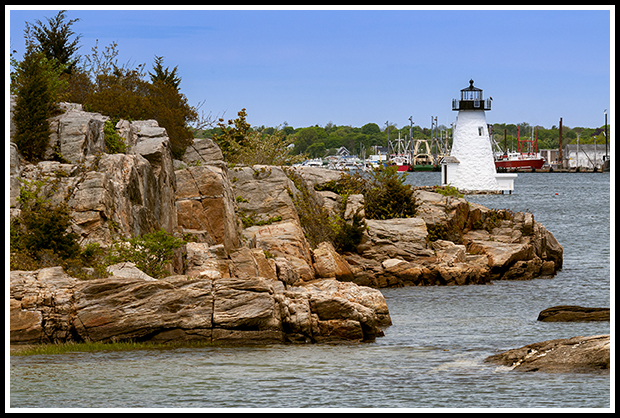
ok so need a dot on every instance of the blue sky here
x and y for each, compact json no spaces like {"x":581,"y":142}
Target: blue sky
{"x":352,"y":67}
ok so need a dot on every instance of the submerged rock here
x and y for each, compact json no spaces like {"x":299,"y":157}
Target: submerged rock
{"x":577,"y":354}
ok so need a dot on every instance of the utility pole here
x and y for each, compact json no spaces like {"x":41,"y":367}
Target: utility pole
{"x":606,"y":155}
{"x":387,"y":127}
{"x":560,"y":156}
{"x":410,"y":135}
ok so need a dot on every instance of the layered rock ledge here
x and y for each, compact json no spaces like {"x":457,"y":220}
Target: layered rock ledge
{"x":49,"y":306}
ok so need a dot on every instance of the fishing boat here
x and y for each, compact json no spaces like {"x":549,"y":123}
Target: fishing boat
{"x":526,"y":156}
{"x":422,"y":159}
{"x":401,"y":157}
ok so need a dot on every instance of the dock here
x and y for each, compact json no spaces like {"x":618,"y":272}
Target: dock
{"x":551,"y":170}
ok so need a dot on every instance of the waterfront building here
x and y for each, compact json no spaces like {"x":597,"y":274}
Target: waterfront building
{"x":588,"y":156}
{"x":551,"y":157}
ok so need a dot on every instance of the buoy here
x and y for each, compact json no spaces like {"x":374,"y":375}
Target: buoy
{"x":557,"y":194}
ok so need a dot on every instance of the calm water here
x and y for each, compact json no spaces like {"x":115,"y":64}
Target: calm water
{"x":432,"y":357}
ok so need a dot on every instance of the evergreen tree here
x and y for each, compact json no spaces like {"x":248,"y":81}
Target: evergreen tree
{"x":54,"y":40}
{"x":164,"y":75}
{"x":33,"y":106}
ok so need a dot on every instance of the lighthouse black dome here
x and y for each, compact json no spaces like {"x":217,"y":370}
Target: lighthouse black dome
{"x":471,"y":99}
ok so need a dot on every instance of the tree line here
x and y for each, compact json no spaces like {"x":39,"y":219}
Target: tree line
{"x":320,"y":141}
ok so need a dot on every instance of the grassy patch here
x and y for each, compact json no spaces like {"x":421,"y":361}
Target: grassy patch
{"x":64,"y":348}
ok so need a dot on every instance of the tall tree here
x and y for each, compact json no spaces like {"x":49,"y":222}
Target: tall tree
{"x":164,"y":75}
{"x":33,"y":106}
{"x":54,"y":40}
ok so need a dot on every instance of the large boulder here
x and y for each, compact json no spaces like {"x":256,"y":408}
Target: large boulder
{"x":119,"y":308}
{"x":203,"y":151}
{"x":317,"y":176}
{"x":569,"y":355}
{"x":284,"y":240}
{"x":263,"y":194}
{"x":75,"y":134}
{"x":398,"y":237}
{"x":329,"y":264}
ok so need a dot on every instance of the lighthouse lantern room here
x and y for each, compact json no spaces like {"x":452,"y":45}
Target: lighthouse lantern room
{"x":471,"y":99}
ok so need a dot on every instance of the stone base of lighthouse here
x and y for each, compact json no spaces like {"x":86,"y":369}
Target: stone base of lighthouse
{"x":471,"y":146}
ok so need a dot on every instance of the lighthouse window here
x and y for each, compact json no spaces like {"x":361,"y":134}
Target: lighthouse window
{"x":480,"y":130}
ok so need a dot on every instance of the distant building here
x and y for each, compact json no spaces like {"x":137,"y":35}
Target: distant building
{"x":343,"y":152}
{"x":551,"y":156}
{"x":584,"y":155}
{"x":376,"y":149}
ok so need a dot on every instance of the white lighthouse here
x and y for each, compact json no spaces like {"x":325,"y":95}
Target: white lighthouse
{"x":471,"y":166}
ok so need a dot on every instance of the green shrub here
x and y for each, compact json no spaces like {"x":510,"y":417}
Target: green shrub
{"x":437,"y":232}
{"x":38,"y":236}
{"x":448,"y":191}
{"x":150,"y":252}
{"x":114,"y":143}
{"x":314,"y":218}
{"x":387,"y":196}
{"x":347,"y":236}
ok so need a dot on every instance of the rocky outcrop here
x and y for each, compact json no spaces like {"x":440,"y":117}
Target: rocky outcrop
{"x":577,"y":354}
{"x":205,"y":206}
{"x":48,"y":306}
{"x":453,"y":242}
{"x":571,"y":313}
{"x":248,"y":273}
{"x":130,"y":194}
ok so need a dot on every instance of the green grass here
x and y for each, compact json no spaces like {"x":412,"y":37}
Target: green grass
{"x":63,"y":348}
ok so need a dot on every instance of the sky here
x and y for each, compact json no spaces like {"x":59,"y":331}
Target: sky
{"x":357,"y":66}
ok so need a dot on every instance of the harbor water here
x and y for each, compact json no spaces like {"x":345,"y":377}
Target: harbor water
{"x":431,"y":357}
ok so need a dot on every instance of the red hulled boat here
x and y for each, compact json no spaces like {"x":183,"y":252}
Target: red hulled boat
{"x":527,"y":155}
